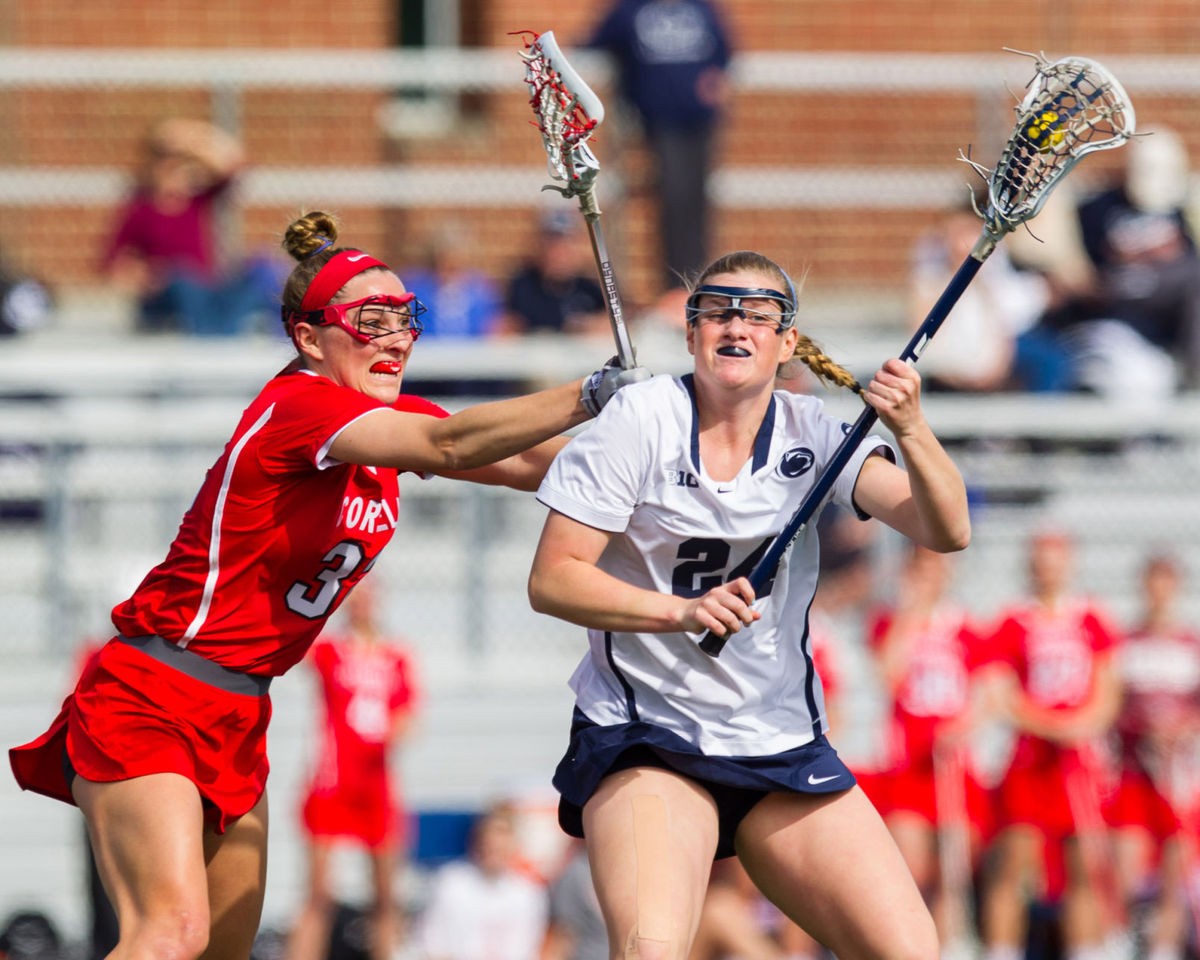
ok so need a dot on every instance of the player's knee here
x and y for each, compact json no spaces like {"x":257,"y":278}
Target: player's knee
{"x":644,"y":948}
{"x":180,"y":933}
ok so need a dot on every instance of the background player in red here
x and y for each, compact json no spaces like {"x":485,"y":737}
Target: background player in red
{"x":1061,"y":694}
{"x":1154,"y":808}
{"x":162,"y":744}
{"x":367,"y":688}
{"x":926,"y":650}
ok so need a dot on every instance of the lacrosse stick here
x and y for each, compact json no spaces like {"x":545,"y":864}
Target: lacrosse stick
{"x":1073,"y":107}
{"x":568,"y":112}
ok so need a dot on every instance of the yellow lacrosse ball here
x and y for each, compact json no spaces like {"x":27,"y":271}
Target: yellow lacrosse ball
{"x":1042,"y":131}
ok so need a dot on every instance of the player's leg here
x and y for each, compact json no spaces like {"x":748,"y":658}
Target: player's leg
{"x":1168,"y":933}
{"x":917,"y":841}
{"x":237,"y":879}
{"x":1085,"y":925}
{"x":814,"y":856}
{"x":309,"y":939}
{"x":651,"y":836}
{"x":1016,"y":862}
{"x":385,"y":930}
{"x":147,"y":834}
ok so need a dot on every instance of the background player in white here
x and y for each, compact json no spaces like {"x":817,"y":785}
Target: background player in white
{"x":656,"y":512}
{"x":163,"y":742}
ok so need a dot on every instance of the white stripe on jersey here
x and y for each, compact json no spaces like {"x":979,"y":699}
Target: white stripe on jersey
{"x":635,"y":472}
{"x":214,"y":546}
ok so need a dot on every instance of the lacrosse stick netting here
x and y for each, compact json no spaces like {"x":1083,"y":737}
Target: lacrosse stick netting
{"x":1073,"y":107}
{"x":568,"y":113}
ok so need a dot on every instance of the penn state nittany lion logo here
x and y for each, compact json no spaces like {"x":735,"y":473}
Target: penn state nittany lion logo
{"x":796,"y":462}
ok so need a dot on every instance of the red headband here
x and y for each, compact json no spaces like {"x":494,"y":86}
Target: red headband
{"x":340,"y":269}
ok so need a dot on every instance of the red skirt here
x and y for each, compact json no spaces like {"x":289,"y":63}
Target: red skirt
{"x":132,"y":715}
{"x":362,"y":814}
{"x":914,"y":790}
{"x":1138,"y":803}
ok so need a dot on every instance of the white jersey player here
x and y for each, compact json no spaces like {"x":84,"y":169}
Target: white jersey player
{"x":657,"y":513}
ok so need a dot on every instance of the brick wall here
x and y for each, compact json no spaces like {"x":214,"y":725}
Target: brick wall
{"x":864,"y":247}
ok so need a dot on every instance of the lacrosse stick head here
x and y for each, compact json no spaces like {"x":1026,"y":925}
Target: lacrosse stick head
{"x":567,"y":113}
{"x":1073,"y":107}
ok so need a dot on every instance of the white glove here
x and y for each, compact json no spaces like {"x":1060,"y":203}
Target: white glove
{"x":601,"y":385}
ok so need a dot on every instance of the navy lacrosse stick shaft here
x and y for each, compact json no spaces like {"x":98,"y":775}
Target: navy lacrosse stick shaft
{"x":764,"y":570}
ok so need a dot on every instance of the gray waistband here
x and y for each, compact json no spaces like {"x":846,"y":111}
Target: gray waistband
{"x":198,"y":667}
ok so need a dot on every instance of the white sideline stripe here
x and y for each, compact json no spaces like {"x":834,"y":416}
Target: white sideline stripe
{"x":214,"y":548}
{"x":506,"y":187}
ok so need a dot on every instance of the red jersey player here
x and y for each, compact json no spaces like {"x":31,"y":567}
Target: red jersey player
{"x":162,"y":744}
{"x":927,"y":650}
{"x":1154,"y":810}
{"x":367,"y":689}
{"x":1060,"y":692}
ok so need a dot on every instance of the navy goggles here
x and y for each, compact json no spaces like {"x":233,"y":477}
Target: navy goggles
{"x":758,"y":306}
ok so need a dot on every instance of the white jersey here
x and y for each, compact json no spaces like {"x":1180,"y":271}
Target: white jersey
{"x":636,"y":472}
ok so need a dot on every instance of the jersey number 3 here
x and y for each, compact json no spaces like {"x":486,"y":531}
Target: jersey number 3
{"x":314,"y":600}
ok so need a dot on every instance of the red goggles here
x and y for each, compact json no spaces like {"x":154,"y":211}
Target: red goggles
{"x":369,"y":319}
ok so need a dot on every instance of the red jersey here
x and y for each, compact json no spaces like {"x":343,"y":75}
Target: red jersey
{"x":278,"y":534}
{"x":935,"y":686}
{"x":364,"y":688}
{"x":1054,"y":653}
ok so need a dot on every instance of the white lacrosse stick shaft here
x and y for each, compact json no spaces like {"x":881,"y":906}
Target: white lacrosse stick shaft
{"x":557,"y":93}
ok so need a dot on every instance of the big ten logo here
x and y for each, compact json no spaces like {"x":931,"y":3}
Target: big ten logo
{"x":681,"y":478}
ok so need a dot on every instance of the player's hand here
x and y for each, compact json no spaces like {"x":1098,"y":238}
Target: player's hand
{"x":895,"y":393}
{"x":601,"y":385}
{"x":724,"y":610}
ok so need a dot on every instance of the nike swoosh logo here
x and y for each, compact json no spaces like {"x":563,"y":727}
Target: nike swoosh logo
{"x":361,"y":256}
{"x":816,"y":781}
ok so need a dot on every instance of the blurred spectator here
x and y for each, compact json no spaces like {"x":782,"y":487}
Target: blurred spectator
{"x":576,"y":929}
{"x":163,"y":250}
{"x":1154,"y":811}
{"x":460,"y":300}
{"x":975,"y":349}
{"x":30,"y":935}
{"x":555,"y":290}
{"x":483,"y":907}
{"x":25,"y":302}
{"x":368,"y":695}
{"x":1131,"y":330}
{"x":927,"y":649}
{"x":672,"y":58}
{"x":1052,"y":676}
{"x":736,"y":920}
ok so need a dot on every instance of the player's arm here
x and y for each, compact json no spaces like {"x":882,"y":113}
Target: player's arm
{"x":521,"y":472}
{"x":476,"y":437}
{"x":927,"y":500}
{"x":565,"y":582}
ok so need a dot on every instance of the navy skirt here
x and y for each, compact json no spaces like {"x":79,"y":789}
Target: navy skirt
{"x":735,"y":783}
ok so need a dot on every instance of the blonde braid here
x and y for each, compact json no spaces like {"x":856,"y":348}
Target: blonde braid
{"x":823,"y":367}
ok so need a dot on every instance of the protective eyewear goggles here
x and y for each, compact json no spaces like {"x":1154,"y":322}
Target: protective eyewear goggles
{"x":758,"y":306}
{"x":369,"y":319}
